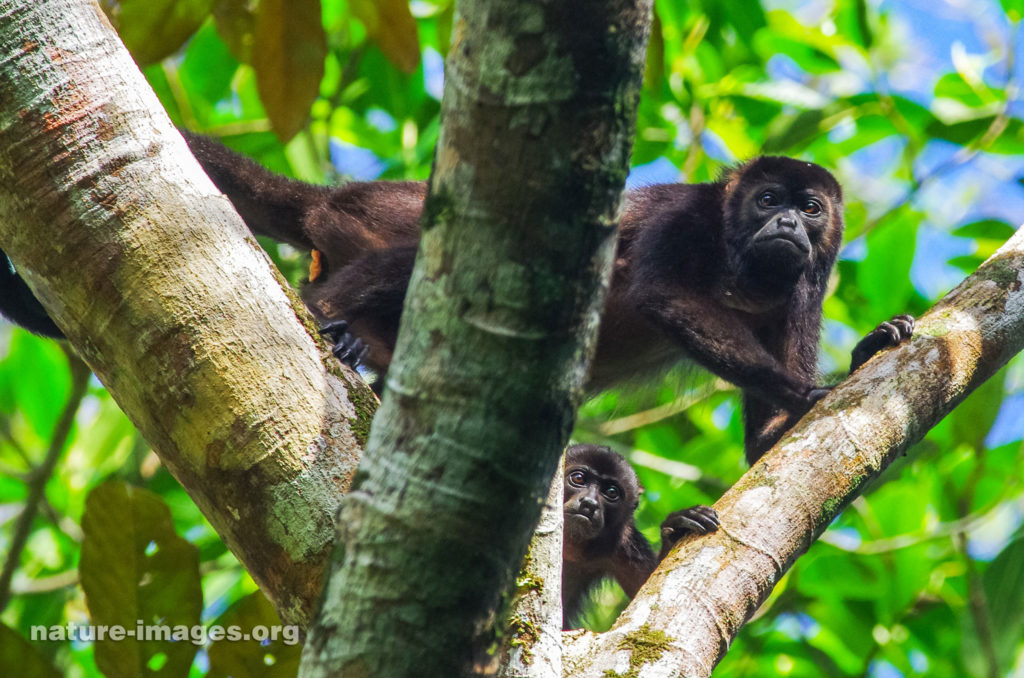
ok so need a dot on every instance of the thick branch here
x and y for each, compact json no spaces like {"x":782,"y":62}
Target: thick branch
{"x":704,"y":592}
{"x":159,"y":286}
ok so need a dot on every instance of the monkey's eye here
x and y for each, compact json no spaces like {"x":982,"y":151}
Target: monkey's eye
{"x":612,"y":492}
{"x":811,"y":207}
{"x":767,"y":199}
{"x":577,"y":478}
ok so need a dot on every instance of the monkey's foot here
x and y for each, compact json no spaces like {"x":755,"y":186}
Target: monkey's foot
{"x":347,"y":348}
{"x":888,"y":334}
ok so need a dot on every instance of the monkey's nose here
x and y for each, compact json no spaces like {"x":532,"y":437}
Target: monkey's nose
{"x":588,"y":507}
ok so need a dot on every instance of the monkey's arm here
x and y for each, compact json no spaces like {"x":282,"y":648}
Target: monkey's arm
{"x":720,"y":339}
{"x":633,"y":562}
{"x":888,"y":334}
{"x":766,"y":423}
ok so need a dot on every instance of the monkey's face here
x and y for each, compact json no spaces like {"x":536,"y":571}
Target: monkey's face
{"x":590,"y":500}
{"x":783,"y":227}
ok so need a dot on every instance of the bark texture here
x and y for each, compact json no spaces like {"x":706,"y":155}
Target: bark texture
{"x":684,"y":619}
{"x":159,"y":286}
{"x":519,"y":229}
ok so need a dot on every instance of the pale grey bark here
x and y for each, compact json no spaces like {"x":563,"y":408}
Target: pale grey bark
{"x":161,"y":289}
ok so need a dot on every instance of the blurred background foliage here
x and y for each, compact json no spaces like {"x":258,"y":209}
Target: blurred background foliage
{"x":914,"y":105}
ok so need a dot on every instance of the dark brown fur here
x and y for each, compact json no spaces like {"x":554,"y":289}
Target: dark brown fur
{"x":601,"y":539}
{"x":696,"y":277}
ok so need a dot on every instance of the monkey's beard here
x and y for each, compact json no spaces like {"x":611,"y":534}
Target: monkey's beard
{"x":769,"y":274}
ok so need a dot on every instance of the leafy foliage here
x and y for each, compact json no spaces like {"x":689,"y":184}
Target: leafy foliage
{"x":916,"y":111}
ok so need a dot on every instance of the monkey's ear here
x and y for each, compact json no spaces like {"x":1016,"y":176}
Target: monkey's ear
{"x":733,"y":183}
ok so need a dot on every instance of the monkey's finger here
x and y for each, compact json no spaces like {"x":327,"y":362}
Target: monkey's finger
{"x":682,"y":525}
{"x":334,"y":329}
{"x":817,"y":393}
{"x":709,"y":515}
{"x":905,"y":325}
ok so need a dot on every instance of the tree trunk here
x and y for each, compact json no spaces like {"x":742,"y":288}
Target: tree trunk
{"x":159,"y":286}
{"x":519,"y":231}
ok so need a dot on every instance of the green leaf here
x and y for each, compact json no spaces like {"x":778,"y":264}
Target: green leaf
{"x":15,"y":651}
{"x":136,"y":570}
{"x":288,"y":56}
{"x":1003,"y":583}
{"x":884,"y":275}
{"x":973,"y":418}
{"x":154,"y":29}
{"x":273,"y":657}
{"x":788,"y":131}
{"x":236,"y":23}
{"x":1014,"y":9}
{"x":991,"y":229}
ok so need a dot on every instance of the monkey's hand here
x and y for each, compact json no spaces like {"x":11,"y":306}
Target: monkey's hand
{"x":348,"y":348}
{"x":889,"y":333}
{"x":693,"y":520}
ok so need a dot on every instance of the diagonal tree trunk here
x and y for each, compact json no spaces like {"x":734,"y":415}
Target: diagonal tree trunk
{"x":159,"y":286}
{"x":684,"y":619}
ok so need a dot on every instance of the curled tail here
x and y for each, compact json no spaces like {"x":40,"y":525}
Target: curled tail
{"x":269,"y":203}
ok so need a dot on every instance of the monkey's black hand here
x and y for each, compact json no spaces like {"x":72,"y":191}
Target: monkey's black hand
{"x":693,"y":520}
{"x":348,"y":348}
{"x":889,"y":333}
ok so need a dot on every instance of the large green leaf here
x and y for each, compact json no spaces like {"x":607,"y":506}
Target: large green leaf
{"x":18,"y":654}
{"x":256,"y":655}
{"x":137,"y":572}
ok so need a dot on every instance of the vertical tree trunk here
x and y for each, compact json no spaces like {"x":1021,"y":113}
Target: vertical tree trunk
{"x":519,"y":231}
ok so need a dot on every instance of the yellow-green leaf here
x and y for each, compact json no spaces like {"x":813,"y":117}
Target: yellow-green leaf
{"x":390,"y":24}
{"x":154,"y":29}
{"x":288,"y":56}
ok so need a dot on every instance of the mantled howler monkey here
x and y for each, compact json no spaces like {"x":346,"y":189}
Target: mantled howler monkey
{"x":730,"y":274}
{"x":600,"y":535}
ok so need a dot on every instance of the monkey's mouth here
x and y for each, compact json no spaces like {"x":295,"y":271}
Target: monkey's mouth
{"x":581,"y":527}
{"x":787,"y":242}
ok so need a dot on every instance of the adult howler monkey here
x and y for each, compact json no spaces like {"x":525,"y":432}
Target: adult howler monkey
{"x":600,"y":535}
{"x":730,"y":274}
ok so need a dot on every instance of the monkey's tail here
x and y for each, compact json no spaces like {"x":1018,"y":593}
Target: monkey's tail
{"x":270,"y":204}
{"x":20,"y":306}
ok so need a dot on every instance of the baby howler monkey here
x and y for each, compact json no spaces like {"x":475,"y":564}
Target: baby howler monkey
{"x":601,"y":539}
{"x":729,"y":275}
